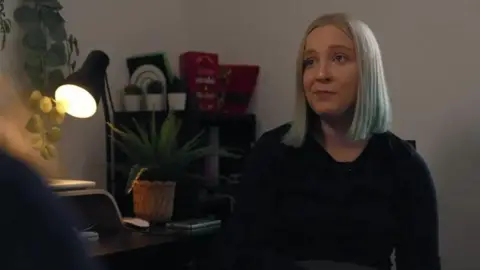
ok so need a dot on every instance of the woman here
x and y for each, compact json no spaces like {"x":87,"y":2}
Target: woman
{"x":335,"y":185}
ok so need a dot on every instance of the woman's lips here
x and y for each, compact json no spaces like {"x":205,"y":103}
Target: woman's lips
{"x":324,"y":95}
{"x":324,"y":92}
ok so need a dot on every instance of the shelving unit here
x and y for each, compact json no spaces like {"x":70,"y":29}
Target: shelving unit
{"x":223,"y":130}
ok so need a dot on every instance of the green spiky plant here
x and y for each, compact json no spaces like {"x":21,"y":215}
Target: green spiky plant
{"x":44,"y":124}
{"x":158,"y":151}
{"x":49,"y":50}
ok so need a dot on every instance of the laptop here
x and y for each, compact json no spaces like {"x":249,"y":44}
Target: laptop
{"x":64,"y":185}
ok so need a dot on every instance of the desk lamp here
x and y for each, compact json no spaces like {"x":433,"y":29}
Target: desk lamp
{"x":83,"y":90}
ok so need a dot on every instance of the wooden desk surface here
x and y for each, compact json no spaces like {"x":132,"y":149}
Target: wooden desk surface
{"x":127,"y":241}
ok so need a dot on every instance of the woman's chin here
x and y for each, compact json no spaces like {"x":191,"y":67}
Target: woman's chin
{"x":330,"y":111}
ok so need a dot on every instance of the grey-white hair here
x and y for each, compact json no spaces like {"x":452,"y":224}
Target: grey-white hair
{"x":373,"y":112}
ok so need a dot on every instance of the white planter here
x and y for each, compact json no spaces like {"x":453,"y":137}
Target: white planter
{"x":177,"y":101}
{"x":155,"y":102}
{"x":132,"y":103}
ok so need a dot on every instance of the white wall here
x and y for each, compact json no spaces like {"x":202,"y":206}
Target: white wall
{"x":9,"y":57}
{"x":430,"y":52}
{"x":431,"y":55}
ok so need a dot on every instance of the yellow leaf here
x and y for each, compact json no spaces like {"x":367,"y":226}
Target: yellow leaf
{"x":35,"y":96}
{"x":56,"y":117}
{"x":34,"y":100}
{"x":37,"y":141}
{"x":35,"y":124}
{"x":46,"y":104}
{"x":52,"y":150}
{"x":54,"y":135}
{"x":44,"y":153}
{"x":60,"y":107}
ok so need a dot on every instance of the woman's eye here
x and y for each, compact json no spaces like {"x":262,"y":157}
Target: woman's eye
{"x":340,"y":58}
{"x":307,"y":62}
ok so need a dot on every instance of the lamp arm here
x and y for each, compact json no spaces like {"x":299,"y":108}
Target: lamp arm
{"x":106,"y":99}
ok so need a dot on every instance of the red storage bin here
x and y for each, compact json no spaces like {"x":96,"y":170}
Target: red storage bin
{"x":200,"y":71}
{"x":238,"y":84}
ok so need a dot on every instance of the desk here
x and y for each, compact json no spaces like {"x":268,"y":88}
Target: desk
{"x":151,"y":250}
{"x":122,"y":248}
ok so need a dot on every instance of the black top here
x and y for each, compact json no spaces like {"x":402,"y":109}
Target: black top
{"x":300,"y":204}
{"x":37,"y":231}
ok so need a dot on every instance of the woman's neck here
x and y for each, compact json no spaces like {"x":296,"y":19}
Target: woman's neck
{"x":336,"y":140}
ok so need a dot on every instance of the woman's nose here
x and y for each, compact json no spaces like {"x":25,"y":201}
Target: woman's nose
{"x":324,"y":72}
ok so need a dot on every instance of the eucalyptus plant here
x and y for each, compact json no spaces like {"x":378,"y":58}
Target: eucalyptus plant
{"x":159,"y":152}
{"x":44,"y":124}
{"x":49,"y":50}
{"x":5,"y":25}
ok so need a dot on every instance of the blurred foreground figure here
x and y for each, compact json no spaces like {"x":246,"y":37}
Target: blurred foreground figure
{"x":37,"y":229}
{"x":38,"y":232}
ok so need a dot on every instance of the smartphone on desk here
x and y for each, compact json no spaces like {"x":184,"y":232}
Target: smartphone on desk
{"x":193,"y":224}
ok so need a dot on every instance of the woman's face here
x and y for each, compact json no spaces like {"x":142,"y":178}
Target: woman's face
{"x":330,"y":72}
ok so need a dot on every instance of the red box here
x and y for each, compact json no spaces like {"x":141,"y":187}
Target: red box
{"x":200,"y":71}
{"x":238,"y":84}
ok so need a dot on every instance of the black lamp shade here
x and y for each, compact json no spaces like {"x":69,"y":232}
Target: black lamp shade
{"x":82,"y":90}
{"x":91,"y":76}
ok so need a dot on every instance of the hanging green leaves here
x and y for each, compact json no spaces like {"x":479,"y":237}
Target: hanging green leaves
{"x":53,"y":4}
{"x":26,"y":17}
{"x":5,"y":25}
{"x":56,"y":55}
{"x":49,"y":49}
{"x":55,"y":78}
{"x":72,"y":48}
{"x":55,"y":24}
{"x":35,"y":40}
{"x":35,"y":73}
{"x":49,"y":53}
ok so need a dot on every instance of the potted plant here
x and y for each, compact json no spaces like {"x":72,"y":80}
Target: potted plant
{"x":132,"y":98}
{"x":177,"y":95}
{"x":155,"y":97}
{"x":158,"y":164}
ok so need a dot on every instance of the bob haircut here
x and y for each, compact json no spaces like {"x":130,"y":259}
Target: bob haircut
{"x":372,"y":112}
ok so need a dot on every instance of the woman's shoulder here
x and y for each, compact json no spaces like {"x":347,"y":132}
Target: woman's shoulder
{"x":398,"y":145}
{"x":404,"y":152}
{"x":270,"y":145}
{"x":275,"y":135}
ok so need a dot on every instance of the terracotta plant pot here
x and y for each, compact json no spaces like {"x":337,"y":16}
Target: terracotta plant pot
{"x":153,"y":201}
